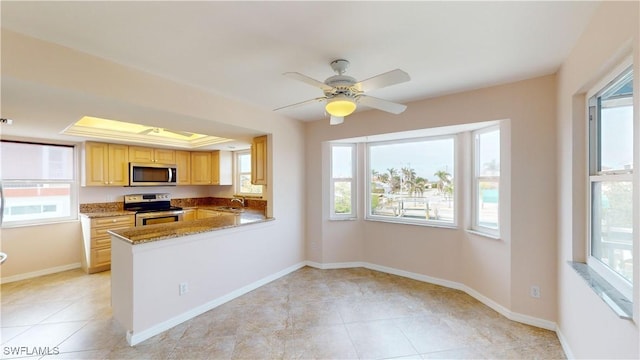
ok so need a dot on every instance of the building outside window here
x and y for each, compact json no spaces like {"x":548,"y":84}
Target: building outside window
{"x":343,"y":184}
{"x":243,"y":175}
{"x":486,"y":181}
{"x":38,"y":183}
{"x":412,"y":181}
{"x":611,"y":148}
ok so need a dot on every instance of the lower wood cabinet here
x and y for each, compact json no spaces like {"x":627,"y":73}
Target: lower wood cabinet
{"x":206,"y":213}
{"x":189,"y":214}
{"x":97,"y":241}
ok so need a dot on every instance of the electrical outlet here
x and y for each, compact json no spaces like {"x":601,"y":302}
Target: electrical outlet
{"x":183,"y":288}
{"x":535,"y":291}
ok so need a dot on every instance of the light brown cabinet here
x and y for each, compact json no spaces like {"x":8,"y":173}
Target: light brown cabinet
{"x":97,"y":241}
{"x":200,"y":168}
{"x":212,"y":168}
{"x":259,"y":160}
{"x":183,"y":164}
{"x":150,"y":155}
{"x":105,"y":164}
{"x":206,"y":213}
{"x":190,"y":214}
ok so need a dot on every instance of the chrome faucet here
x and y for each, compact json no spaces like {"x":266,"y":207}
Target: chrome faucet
{"x":238,"y":199}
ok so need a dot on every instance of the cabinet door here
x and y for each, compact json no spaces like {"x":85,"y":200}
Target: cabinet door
{"x":183,"y":164}
{"x":189,"y":214}
{"x":259,"y":160}
{"x":96,"y":164}
{"x":164,"y":156}
{"x":118,"y":165}
{"x":140,"y":154}
{"x":200,"y":168}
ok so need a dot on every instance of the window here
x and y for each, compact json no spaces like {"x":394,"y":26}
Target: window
{"x":486,"y":181}
{"x":342,"y":191}
{"x":412,"y":181}
{"x":38,"y":183}
{"x":611,"y":148}
{"x":243,"y":175}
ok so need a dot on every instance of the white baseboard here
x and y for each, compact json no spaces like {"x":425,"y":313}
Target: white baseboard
{"x":140,"y":336}
{"x":564,"y":344}
{"x":521,"y":318}
{"x":42,"y":272}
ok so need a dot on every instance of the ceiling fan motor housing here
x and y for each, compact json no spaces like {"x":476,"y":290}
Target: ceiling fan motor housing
{"x":341,"y":84}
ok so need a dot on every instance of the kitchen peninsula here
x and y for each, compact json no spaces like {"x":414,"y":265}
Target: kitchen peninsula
{"x":165,"y":274}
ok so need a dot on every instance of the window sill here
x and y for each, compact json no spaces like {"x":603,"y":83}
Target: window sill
{"x":612,"y":297}
{"x":414,"y":223}
{"x":484,"y":235}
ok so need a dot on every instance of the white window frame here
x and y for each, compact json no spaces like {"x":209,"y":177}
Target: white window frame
{"x":73,"y":194}
{"x":476,"y":179}
{"x":401,"y":220}
{"x":238,"y":175}
{"x":332,"y":181}
{"x":593,"y":176}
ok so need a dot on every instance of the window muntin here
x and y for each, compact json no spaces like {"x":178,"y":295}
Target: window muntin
{"x":486,"y":181}
{"x":412,"y":181}
{"x":611,"y":148}
{"x":342,"y":191}
{"x":243,"y":175}
{"x":38,"y":183}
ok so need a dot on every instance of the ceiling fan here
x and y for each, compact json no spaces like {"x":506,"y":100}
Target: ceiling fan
{"x":343,"y":93}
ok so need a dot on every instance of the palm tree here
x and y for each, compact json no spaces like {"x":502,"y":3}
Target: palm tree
{"x":374,"y":175}
{"x":492,"y":167}
{"x":419,"y":185}
{"x":444,"y":178}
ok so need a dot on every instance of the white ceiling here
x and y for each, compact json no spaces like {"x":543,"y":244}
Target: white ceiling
{"x":240,"y":49}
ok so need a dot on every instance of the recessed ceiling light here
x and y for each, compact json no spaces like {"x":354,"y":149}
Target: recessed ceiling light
{"x":90,"y":126}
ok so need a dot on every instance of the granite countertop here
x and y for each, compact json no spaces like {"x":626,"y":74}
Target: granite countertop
{"x":98,"y":214}
{"x":150,"y":233}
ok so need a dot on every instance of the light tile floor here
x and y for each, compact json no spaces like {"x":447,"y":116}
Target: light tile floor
{"x":308,"y":314}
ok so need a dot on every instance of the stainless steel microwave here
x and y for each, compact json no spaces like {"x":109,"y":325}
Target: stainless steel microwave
{"x":151,"y":174}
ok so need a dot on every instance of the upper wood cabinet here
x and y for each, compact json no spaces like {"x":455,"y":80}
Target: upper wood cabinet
{"x":211,"y":168}
{"x":259,"y":160}
{"x":200,"y":168}
{"x":105,"y":164}
{"x":183,"y":164}
{"x":145,"y":154}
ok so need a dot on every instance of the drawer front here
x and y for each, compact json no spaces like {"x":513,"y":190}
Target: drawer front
{"x":101,"y":232}
{"x":112,"y":220}
{"x":100,"y":257}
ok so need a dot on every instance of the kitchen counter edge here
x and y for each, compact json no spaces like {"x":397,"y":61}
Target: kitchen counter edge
{"x":151,"y":233}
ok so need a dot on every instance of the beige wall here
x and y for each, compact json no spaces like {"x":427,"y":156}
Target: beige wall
{"x":26,"y":60}
{"x":501,"y":270}
{"x":588,"y":326}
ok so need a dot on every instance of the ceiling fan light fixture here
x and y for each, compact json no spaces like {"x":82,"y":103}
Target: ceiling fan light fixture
{"x":340,"y":106}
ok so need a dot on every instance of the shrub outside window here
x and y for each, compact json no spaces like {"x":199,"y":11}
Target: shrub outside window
{"x":38,"y":183}
{"x":611,"y":148}
{"x":412,"y":181}
{"x":342,"y":191}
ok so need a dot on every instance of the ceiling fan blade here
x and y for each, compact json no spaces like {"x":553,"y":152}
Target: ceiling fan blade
{"x":319,"y":99}
{"x":392,"y":77}
{"x":336,"y":120}
{"x":380,"y":104}
{"x":307,"y":80}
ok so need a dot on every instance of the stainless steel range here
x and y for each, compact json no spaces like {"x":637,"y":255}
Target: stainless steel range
{"x":152,"y":208}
